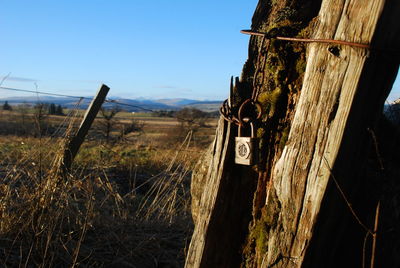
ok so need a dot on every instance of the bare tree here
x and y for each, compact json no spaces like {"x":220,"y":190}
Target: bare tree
{"x":40,"y":118}
{"x":191,"y":118}
{"x":23,"y":110}
{"x":6,"y":106}
{"x":133,"y":126}
{"x":108,"y":121}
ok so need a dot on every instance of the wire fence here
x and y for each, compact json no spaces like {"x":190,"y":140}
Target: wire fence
{"x":75,"y":97}
{"x":82,"y":98}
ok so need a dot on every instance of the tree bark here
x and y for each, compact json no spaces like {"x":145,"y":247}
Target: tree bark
{"x":313,"y":202}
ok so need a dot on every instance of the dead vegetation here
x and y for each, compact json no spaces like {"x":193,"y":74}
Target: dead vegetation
{"x":125,"y":204}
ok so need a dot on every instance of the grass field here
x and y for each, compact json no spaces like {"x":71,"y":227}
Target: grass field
{"x":125,"y":203}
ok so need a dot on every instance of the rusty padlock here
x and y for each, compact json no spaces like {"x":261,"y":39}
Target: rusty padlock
{"x":246,"y":148}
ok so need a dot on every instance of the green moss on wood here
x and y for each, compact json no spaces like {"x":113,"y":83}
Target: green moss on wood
{"x":260,"y":132}
{"x":301,"y":66}
{"x":269,"y":99}
{"x":261,"y":236}
{"x":281,"y":81}
{"x":259,"y":232}
{"x":284,"y":138}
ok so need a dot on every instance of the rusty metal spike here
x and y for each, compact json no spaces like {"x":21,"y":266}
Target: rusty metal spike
{"x":230,"y":94}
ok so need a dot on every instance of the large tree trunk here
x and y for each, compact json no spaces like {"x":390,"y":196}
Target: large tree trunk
{"x":318,"y":127}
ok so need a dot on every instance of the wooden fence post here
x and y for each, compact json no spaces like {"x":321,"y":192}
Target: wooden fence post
{"x":72,"y":148}
{"x":315,"y":195}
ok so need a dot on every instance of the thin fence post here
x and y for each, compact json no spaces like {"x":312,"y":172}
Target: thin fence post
{"x":73,"y":145}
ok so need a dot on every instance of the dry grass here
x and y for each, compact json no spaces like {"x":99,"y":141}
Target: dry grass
{"x":122,"y":206}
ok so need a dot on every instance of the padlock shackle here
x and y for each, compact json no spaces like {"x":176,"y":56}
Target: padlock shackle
{"x":251,"y":129}
{"x":249,"y":102}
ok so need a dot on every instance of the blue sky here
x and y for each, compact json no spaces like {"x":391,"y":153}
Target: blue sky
{"x":140,"y":48}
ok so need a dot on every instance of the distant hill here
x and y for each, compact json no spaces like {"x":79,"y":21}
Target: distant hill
{"x":178,"y":102}
{"x":206,"y":106}
{"x":135,"y":104}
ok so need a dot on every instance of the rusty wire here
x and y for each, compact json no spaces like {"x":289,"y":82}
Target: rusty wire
{"x":260,"y":56}
{"x":308,"y":40}
{"x":226,"y":113}
{"x":226,"y":109}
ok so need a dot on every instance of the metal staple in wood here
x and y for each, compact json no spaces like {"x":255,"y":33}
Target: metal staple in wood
{"x":307,"y":40}
{"x":226,"y":110}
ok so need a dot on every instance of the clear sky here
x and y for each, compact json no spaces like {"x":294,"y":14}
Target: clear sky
{"x":140,"y":48}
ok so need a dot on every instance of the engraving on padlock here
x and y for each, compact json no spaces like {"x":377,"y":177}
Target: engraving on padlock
{"x":246,"y":148}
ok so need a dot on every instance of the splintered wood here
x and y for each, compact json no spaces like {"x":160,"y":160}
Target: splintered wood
{"x":330,"y":84}
{"x":343,"y":89}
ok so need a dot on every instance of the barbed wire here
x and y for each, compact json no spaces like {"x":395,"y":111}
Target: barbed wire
{"x":130,"y":105}
{"x":86,"y":98}
{"x":76,"y":97}
{"x":43,"y":93}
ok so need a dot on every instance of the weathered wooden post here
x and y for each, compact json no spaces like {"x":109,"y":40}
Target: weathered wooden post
{"x":319,"y":103}
{"x":75,"y":142}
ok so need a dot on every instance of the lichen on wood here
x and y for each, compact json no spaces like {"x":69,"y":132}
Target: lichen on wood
{"x":282,"y":81}
{"x":313,"y":128}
